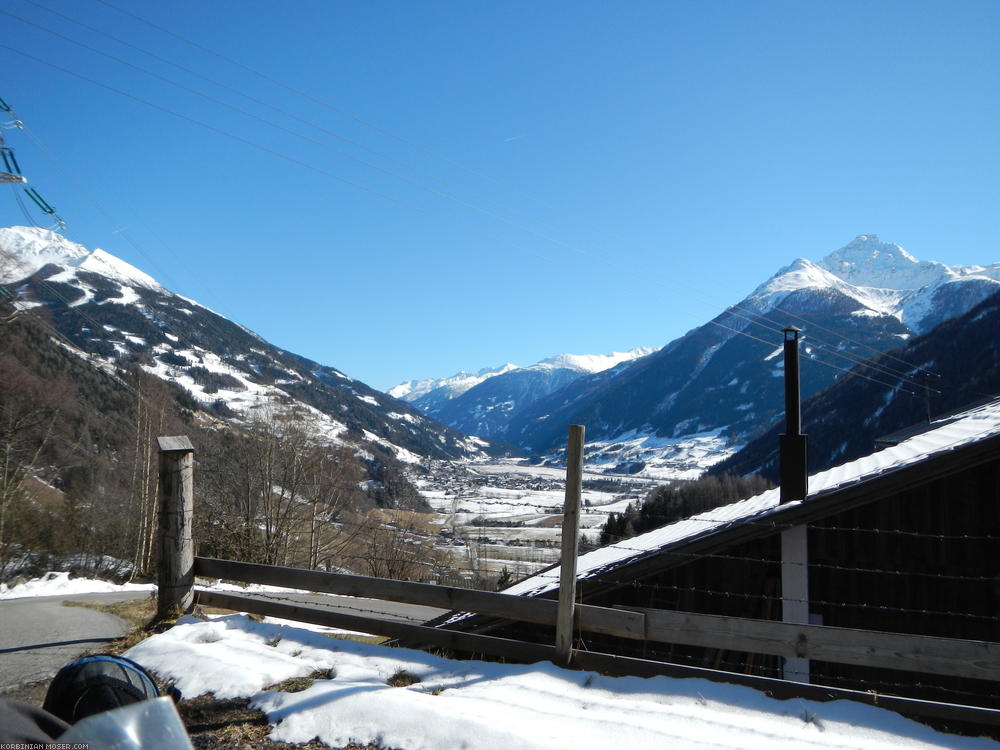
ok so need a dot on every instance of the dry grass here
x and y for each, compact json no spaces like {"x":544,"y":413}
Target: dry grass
{"x":402,"y":678}
{"x":216,"y":724}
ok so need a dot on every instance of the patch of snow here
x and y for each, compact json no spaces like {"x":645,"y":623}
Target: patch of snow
{"x":57,"y":583}
{"x":482,"y":705}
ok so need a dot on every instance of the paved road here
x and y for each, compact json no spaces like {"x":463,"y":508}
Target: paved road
{"x":38,"y":635}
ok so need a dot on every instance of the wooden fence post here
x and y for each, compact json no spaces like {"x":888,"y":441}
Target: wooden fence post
{"x":175,"y":576}
{"x":570,"y":534}
{"x":795,"y":593}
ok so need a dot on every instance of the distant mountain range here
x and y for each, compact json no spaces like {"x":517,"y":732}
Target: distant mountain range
{"x":483,"y":404}
{"x":669,"y":412}
{"x":115,"y":313}
{"x":682,"y":407}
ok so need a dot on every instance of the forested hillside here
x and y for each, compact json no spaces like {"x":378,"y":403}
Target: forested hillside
{"x":78,"y":469}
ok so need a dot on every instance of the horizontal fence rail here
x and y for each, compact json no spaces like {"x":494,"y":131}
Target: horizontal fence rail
{"x":943,"y":656}
{"x":484,"y":644}
{"x":618,"y":622}
{"x":869,"y":648}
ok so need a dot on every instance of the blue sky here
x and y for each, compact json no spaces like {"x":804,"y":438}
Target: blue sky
{"x":453,"y":185}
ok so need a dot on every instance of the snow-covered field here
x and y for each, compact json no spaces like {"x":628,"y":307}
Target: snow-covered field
{"x":508,"y":514}
{"x":480,"y":705}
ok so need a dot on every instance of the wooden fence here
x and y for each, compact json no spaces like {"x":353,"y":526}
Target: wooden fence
{"x":929,"y":655}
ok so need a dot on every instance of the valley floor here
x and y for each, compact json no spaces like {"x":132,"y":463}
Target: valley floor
{"x":508,"y":514}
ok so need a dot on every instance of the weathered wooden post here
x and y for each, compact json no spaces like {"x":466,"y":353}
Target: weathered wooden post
{"x":175,"y":577}
{"x":570,"y":534}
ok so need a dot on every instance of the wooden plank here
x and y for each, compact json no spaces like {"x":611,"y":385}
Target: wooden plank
{"x":784,"y":690}
{"x":611,"y":621}
{"x":541,"y":611}
{"x":795,"y":593}
{"x":915,"y":653}
{"x":176,"y":444}
{"x":410,"y":634}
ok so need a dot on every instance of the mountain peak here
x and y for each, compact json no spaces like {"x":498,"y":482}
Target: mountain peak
{"x":31,"y":248}
{"x":868,"y":261}
{"x":592,"y":363}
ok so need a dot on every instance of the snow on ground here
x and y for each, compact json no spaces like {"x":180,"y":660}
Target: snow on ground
{"x":473,"y":705}
{"x":60,"y":584}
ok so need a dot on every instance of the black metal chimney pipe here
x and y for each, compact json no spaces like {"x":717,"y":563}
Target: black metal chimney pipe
{"x":794,"y":476}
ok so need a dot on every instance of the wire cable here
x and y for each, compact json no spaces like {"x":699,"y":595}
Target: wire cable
{"x":297,"y":134}
{"x":332,"y":107}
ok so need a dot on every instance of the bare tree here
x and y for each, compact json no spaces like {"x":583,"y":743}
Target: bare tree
{"x":28,"y":411}
{"x":279,"y":495}
{"x":394,"y":545}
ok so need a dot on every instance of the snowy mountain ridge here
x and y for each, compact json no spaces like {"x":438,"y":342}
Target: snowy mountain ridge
{"x":881,"y":276}
{"x":591,"y":363}
{"x":121,"y":317}
{"x":457,"y":384}
{"x":33,"y":248}
{"x":451,"y":387}
{"x":485,"y":404}
{"x":681,"y":408}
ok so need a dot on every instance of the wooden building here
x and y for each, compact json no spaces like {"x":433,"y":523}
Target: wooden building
{"x":905,"y":541}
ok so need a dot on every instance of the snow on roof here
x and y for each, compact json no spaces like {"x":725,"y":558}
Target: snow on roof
{"x":949,"y":434}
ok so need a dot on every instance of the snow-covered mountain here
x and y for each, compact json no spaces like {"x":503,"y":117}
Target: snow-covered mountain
{"x":445,"y":388}
{"x":884,"y":279}
{"x":691,"y":403}
{"x":484,"y":404}
{"x":117,"y":314}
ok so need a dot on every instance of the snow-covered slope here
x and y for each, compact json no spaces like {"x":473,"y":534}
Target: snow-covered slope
{"x":121,"y":316}
{"x":446,"y":388}
{"x":31,"y":248}
{"x":884,"y":279}
{"x":591,"y":363}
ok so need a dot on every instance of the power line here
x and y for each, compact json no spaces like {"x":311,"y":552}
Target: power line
{"x":297,"y":134}
{"x":850,"y":358}
{"x":419,"y":147}
{"x":827,"y":345}
{"x":556,"y":241}
{"x":232,"y":89}
{"x":844,"y":338}
{"x":334,"y":108}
